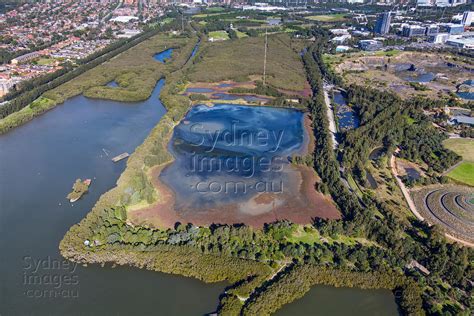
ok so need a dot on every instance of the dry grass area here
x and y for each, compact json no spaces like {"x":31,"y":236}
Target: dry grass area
{"x":239,"y":59}
{"x":461,"y":146}
{"x":387,"y":190}
{"x":135,"y":70}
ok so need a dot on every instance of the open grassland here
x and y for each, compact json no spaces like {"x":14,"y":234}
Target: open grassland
{"x":219,"y":35}
{"x":461,"y":146}
{"x":45,"y":61}
{"x":310,"y":236}
{"x":463,"y":173}
{"x":239,"y":59}
{"x":240,"y":34}
{"x":135,"y":70}
{"x":327,"y":18}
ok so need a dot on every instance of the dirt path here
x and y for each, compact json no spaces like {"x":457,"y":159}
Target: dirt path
{"x":402,"y":186}
{"x":283,"y":266}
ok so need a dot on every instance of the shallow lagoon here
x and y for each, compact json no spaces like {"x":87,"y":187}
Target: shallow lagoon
{"x":346,"y":117}
{"x":228,"y":153}
{"x":164,"y":55}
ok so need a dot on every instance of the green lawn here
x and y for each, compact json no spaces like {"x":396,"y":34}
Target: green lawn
{"x":219,"y":35}
{"x":388,"y":53}
{"x":167,"y":20}
{"x":240,"y":34}
{"x":45,"y":61}
{"x":327,"y":18}
{"x":463,"y":173}
{"x":461,"y":146}
{"x":205,"y":15}
{"x":310,"y":236}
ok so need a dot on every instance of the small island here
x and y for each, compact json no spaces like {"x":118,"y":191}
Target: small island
{"x":79,"y":189}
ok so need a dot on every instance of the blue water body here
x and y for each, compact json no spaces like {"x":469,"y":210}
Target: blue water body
{"x":412,"y":173}
{"x":195,"y":50}
{"x":164,"y":55}
{"x":39,"y":162}
{"x":230,"y":97}
{"x":198,"y":90}
{"x":112,"y":84}
{"x":229,"y":144}
{"x":225,"y":85}
{"x":347,"y":118}
{"x":419,"y":77}
{"x":466,"y":95}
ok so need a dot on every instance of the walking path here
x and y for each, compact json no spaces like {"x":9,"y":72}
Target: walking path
{"x":330,"y":114}
{"x":402,"y":186}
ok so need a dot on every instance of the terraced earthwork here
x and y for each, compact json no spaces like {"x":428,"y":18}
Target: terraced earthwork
{"x":450,"y":207}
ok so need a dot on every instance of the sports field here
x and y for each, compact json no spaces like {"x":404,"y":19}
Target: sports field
{"x":327,"y":18}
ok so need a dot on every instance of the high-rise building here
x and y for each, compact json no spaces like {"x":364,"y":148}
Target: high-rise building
{"x":467,"y":18}
{"x":383,"y":23}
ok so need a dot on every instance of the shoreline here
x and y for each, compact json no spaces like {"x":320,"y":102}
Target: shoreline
{"x":292,"y":206}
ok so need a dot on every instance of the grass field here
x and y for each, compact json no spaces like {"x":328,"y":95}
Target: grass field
{"x":327,"y":18}
{"x":463,"y":173}
{"x":240,"y":34}
{"x":45,"y":61}
{"x":389,"y":53}
{"x":219,"y":35}
{"x":239,"y":59}
{"x":461,"y":146}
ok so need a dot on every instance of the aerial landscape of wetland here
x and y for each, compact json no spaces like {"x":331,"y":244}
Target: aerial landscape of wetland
{"x":234,"y":159}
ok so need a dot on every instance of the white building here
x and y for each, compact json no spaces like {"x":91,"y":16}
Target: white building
{"x":439,"y":38}
{"x":467,"y":18}
{"x":442,"y":3}
{"x":466,"y":43}
{"x":341,"y":39}
{"x":124,"y":18}
{"x":5,"y":85}
{"x":425,"y":3}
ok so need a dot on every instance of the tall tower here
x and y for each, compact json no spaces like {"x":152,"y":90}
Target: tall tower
{"x":383,"y":23}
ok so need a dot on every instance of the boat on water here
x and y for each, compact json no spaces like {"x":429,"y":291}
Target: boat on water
{"x":79,"y":188}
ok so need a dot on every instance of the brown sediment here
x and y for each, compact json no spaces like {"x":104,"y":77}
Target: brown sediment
{"x":300,"y":204}
{"x":161,"y":213}
{"x":305,"y":93}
